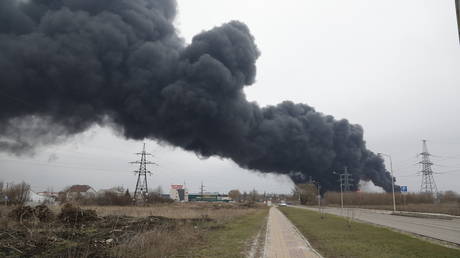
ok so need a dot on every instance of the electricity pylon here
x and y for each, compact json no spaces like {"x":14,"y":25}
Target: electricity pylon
{"x":428,"y":185}
{"x":346,"y":180}
{"x":142,"y":190}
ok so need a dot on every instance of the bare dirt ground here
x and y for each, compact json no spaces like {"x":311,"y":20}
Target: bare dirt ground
{"x":283,"y":240}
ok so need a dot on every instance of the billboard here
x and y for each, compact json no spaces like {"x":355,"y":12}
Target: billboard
{"x":177,"y":187}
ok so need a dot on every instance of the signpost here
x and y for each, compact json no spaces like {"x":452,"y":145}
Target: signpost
{"x":404,"y":192}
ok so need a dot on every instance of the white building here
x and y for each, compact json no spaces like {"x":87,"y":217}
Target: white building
{"x":178,"y":193}
{"x":37,"y":199}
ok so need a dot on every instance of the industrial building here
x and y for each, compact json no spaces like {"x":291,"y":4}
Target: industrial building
{"x":180,"y":193}
{"x":209,"y":197}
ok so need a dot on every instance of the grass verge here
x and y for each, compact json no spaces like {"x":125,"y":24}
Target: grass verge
{"x":233,"y":238}
{"x":334,"y":237}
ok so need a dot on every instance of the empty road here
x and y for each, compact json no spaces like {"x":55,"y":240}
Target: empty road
{"x":442,"y":229}
{"x":283,"y":240}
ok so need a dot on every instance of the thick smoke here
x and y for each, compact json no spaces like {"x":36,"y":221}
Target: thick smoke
{"x":66,"y":65}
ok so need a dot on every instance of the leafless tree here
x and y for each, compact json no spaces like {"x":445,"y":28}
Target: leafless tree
{"x":18,"y":193}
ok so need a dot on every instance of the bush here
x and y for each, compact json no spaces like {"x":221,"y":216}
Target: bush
{"x":361,"y":198}
{"x":41,"y":212}
{"x":75,"y":215}
{"x":114,"y":198}
{"x":153,"y":198}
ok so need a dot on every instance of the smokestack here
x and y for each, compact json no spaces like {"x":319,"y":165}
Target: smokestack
{"x":66,"y":65}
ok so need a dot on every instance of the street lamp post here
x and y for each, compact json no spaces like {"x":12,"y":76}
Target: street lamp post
{"x":318,"y":186}
{"x":392,"y":180}
{"x":341,"y":189}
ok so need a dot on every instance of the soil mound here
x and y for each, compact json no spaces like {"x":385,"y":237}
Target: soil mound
{"x":75,"y":215}
{"x":43,"y":213}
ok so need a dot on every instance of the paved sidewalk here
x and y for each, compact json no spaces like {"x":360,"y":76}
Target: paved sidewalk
{"x":283,"y":240}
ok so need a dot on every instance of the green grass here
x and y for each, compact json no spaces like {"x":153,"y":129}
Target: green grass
{"x":333,"y":237}
{"x":231,"y":239}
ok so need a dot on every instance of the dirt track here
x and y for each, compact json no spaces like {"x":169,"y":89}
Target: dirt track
{"x":283,"y":240}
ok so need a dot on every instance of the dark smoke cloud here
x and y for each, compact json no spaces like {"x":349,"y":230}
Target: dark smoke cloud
{"x":66,"y":65}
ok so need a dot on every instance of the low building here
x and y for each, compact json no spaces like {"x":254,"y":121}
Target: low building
{"x":209,"y":197}
{"x":39,"y":198}
{"x":79,"y":191}
{"x":179,"y":193}
{"x":51,"y":197}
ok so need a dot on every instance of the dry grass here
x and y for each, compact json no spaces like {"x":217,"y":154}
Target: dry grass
{"x":160,"y":242}
{"x":121,"y":231}
{"x":217,"y":211}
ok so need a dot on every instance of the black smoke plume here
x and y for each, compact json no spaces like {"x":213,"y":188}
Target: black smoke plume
{"x":66,"y":65}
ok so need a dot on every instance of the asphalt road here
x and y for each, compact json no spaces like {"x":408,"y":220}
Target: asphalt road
{"x":442,"y":229}
{"x":283,"y":240}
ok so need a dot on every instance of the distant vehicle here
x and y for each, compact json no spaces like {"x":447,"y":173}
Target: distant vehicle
{"x":283,"y":204}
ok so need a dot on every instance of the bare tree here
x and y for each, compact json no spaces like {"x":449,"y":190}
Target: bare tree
{"x":18,"y":193}
{"x":306,"y":193}
{"x":235,"y":195}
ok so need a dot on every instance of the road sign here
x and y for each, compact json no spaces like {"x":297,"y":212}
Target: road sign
{"x":403,"y":189}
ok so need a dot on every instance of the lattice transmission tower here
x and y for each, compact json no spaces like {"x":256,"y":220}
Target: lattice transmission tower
{"x":142,"y":190}
{"x":428,"y":184}
{"x":346,"y":180}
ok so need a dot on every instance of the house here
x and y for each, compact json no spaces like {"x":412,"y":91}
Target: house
{"x":79,"y":191}
{"x":37,"y":198}
{"x":51,"y":197}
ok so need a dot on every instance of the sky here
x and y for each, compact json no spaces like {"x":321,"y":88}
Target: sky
{"x":391,"y":66}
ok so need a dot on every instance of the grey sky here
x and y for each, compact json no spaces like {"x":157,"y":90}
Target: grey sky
{"x":391,"y":66}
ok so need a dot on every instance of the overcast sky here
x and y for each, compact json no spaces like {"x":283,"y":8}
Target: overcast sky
{"x":392,"y":66}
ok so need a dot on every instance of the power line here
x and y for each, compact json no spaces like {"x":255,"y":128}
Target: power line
{"x":448,"y":171}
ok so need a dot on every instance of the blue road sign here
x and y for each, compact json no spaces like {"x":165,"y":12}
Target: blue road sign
{"x":404,"y":189}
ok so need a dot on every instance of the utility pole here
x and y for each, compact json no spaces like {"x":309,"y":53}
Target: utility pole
{"x":318,"y":186}
{"x":341,"y":188}
{"x":202,"y":190}
{"x":428,"y":184}
{"x":319,"y":198}
{"x":142,"y":191}
{"x":392,"y":180}
{"x":347,"y":179}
